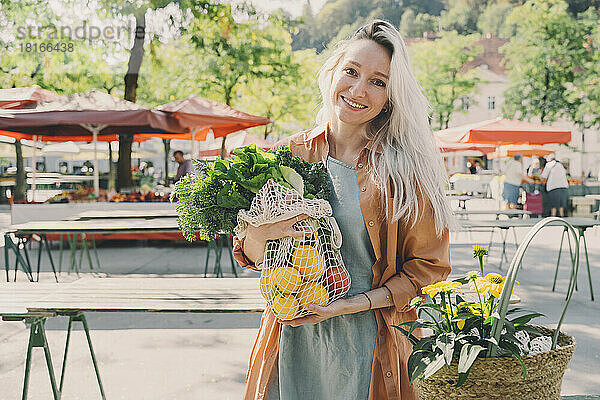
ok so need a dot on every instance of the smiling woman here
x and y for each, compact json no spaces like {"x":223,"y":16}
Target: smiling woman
{"x":387,"y":180}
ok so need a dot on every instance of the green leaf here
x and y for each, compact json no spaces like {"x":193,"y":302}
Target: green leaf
{"x":255,"y":184}
{"x":525,"y":319}
{"x":445,"y":343}
{"x":221,"y":165}
{"x":293,"y":178}
{"x":411,"y":338}
{"x":468,"y":355}
{"x":434,"y":366}
{"x":516,"y":352}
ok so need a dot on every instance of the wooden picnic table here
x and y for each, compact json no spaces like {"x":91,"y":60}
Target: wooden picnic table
{"x":34,"y":303}
{"x":84,"y":229}
{"x":581,"y":224}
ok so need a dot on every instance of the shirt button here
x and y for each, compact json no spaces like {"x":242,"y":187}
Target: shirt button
{"x":364,"y":188}
{"x":371,"y":223}
{"x":388,"y":374}
{"x":360,"y":165}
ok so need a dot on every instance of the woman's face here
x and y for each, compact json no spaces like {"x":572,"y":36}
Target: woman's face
{"x":359,"y":82}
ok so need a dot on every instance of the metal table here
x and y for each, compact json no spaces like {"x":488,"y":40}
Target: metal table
{"x":74,"y":230}
{"x":581,"y":224}
{"x":509,"y":213}
{"x":35,"y":303}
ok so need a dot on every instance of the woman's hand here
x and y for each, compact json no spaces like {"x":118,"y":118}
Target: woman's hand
{"x":334,"y":309}
{"x":257,"y":236}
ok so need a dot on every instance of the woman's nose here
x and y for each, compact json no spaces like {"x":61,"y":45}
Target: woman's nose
{"x":358,"y":89}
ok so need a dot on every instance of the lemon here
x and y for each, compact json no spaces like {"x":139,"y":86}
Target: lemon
{"x":309,"y":262}
{"x":312,"y":293}
{"x":285,"y":306}
{"x":266,"y":288}
{"x":286,"y":279}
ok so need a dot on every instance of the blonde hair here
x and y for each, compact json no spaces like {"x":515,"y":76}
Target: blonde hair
{"x":410,"y":165}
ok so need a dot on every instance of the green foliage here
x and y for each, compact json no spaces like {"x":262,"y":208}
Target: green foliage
{"x":443,"y":77}
{"x":209,"y":201}
{"x":462,"y":15}
{"x":493,"y":20}
{"x":542,"y":63}
{"x":584,"y":93}
{"x":413,"y":26}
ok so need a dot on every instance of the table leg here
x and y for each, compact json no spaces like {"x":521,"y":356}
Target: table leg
{"x":86,"y":248}
{"x":491,"y":240}
{"x":60,"y":252}
{"x":218,"y":251}
{"x":45,"y":243}
{"x":587,"y":260}
{"x":230,"y":250}
{"x":81,"y":317}
{"x":39,"y":260}
{"x":209,"y":246}
{"x":27,"y":259}
{"x":37,"y":338}
{"x":19,"y":259}
{"x":95,"y":251}
{"x":503,"y":256}
{"x":562,"y":238}
{"x":64,"y":362}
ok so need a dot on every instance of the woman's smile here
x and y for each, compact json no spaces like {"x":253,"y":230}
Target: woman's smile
{"x":353,"y":104}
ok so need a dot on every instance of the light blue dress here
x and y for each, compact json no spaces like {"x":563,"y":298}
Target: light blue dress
{"x":333,"y":359}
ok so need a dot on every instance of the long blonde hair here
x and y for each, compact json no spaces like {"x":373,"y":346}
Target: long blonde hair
{"x":410,"y":163}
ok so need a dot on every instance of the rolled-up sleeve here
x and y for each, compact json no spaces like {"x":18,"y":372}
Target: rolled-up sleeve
{"x":423,"y":258}
{"x":240,"y":257}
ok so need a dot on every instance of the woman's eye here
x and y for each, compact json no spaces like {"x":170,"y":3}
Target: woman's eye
{"x":350,"y":71}
{"x":379,"y":82}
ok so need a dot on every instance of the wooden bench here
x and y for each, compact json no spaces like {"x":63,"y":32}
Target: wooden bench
{"x":34,"y":303}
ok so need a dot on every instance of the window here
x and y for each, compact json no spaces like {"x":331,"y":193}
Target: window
{"x":465,"y":103}
{"x":491,"y":102}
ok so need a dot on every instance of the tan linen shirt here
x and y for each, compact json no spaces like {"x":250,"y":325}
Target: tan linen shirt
{"x":408,"y":258}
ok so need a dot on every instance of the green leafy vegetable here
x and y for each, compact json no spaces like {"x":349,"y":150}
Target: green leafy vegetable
{"x":209,"y":200}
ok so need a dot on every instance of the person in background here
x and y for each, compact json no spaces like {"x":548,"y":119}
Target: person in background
{"x":478,"y":167}
{"x":554,"y":176}
{"x":513,"y":176}
{"x":185,"y":166}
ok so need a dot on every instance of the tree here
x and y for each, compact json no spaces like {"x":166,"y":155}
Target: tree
{"x":462,"y":15}
{"x":443,"y":77}
{"x":493,"y":19}
{"x":289,"y":101}
{"x":542,"y":64}
{"x":234,"y":53}
{"x":413,"y":26}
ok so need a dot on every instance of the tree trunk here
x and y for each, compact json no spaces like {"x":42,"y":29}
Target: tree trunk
{"x":167,"y":145}
{"x":131,"y":79}
{"x":19,"y":194}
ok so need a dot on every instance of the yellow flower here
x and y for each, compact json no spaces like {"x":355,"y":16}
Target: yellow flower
{"x":475,"y":309}
{"x":491,"y":282}
{"x":460,"y":323}
{"x":442,"y":286}
{"x":480,"y":251}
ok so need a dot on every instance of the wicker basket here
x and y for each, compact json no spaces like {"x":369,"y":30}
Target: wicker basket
{"x":501,"y":377}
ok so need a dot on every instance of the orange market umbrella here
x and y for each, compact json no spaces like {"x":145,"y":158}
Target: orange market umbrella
{"x":199,"y":115}
{"x":524,"y":150}
{"x":461,"y":147}
{"x":504,"y":131}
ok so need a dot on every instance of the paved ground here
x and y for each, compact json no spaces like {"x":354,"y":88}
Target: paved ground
{"x":174,"y":356}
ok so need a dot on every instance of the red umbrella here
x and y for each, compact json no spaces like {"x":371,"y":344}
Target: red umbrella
{"x":24,"y":96}
{"x":504,"y":131}
{"x":90,"y":114}
{"x":197,"y":113}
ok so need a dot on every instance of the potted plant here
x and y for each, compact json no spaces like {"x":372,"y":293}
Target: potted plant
{"x":477,"y":346}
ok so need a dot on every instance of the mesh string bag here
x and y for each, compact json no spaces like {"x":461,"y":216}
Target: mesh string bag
{"x":297,"y":272}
